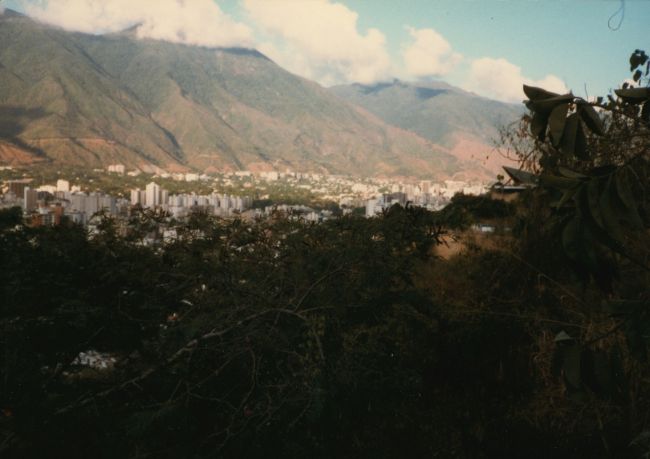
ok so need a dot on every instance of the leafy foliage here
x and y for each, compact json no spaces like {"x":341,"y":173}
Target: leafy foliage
{"x":594,"y":165}
{"x":597,"y":188}
{"x":241,"y":338}
{"x":463,"y":210}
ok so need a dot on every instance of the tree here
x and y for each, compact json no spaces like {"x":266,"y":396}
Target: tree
{"x":592,"y":158}
{"x":10,"y":218}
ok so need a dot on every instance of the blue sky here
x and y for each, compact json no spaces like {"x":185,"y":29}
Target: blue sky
{"x":489,"y":47}
{"x":570,"y":39}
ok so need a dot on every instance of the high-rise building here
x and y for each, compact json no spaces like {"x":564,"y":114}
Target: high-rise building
{"x":18,"y":186}
{"x":30,"y":199}
{"x":135,"y":197}
{"x":77,"y":202}
{"x":107,"y":203}
{"x":91,"y":204}
{"x":152,"y":195}
{"x":224,"y":201}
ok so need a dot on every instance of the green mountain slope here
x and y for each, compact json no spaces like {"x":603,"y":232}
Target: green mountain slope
{"x":463,"y":122}
{"x":85,"y":99}
{"x":56,"y":102}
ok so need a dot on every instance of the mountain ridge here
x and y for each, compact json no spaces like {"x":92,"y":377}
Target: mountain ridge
{"x":97,"y":99}
{"x":465,"y":123}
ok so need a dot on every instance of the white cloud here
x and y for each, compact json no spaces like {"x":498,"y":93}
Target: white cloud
{"x":503,"y":80}
{"x":319,"y":39}
{"x":195,"y":22}
{"x":429,"y":54}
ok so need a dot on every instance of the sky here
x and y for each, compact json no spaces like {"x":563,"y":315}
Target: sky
{"x":489,"y":47}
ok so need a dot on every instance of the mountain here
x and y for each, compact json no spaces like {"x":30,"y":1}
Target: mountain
{"x":94,"y":100}
{"x":465,"y":123}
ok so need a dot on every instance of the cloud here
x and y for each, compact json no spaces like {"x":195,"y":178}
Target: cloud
{"x":195,"y":22}
{"x":319,"y":39}
{"x":503,"y":80}
{"x":429,"y":54}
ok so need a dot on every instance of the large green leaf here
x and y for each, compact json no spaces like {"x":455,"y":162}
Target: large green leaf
{"x":633,"y":95}
{"x":534,"y":93}
{"x":574,"y":142}
{"x":594,"y":231}
{"x":546,"y":106}
{"x":610,"y":210}
{"x":580,"y":150}
{"x":568,"y":144}
{"x":559,"y":183}
{"x":557,"y":121}
{"x":538,"y":126}
{"x":591,"y":118}
{"x":627,"y":198}
{"x":566,"y":172}
{"x":567,"y":195}
{"x":568,"y":182}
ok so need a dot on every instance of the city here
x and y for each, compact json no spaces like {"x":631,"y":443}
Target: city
{"x":242,"y":193}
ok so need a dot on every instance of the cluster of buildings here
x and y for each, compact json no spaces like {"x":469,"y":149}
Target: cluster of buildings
{"x":301,"y":212}
{"x":46,"y":205}
{"x":433,"y":196}
{"x":179,"y":205}
{"x":374,"y":194}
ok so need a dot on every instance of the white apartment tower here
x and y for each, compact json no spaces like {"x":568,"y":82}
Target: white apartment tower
{"x":135,"y":197}
{"x":152,"y":195}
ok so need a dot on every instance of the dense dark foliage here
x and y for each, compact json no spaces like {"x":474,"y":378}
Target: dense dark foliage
{"x":465,"y":210}
{"x":275,"y":338}
{"x":236,"y":337}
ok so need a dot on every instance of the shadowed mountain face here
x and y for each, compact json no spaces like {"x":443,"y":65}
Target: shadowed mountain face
{"x":115,"y":98}
{"x":13,"y":121}
{"x":463,"y":122}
